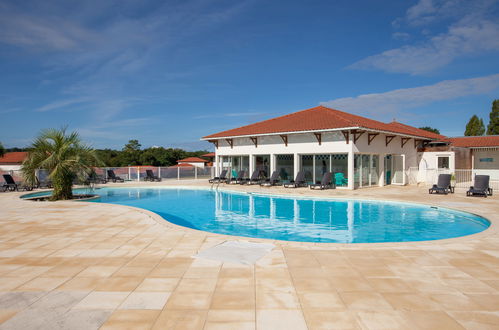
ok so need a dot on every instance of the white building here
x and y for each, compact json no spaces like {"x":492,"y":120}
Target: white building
{"x":361,"y":152}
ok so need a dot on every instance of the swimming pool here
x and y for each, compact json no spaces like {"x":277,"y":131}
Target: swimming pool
{"x":297,"y":219}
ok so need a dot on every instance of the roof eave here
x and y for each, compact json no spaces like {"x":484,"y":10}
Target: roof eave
{"x":207,"y":138}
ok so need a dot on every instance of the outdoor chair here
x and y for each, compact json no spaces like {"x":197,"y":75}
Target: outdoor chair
{"x":272,"y":181}
{"x":325,"y":183}
{"x":442,"y":186}
{"x":255,"y":178}
{"x":481,"y":186}
{"x":237,"y":178}
{"x":151,"y":177}
{"x":113,"y":177}
{"x":339,"y":179}
{"x":11,"y":185}
{"x":299,"y":181}
{"x":219,"y":179}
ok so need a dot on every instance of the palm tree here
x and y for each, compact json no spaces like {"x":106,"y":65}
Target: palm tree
{"x":65,"y":158}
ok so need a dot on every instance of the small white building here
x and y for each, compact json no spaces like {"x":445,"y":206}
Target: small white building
{"x":361,"y":152}
{"x":193,"y":161}
{"x":12,"y":161}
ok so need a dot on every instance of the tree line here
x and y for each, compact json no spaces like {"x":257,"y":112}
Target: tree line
{"x":133,"y":154}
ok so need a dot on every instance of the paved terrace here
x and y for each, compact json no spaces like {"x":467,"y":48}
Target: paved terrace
{"x":83,"y":266}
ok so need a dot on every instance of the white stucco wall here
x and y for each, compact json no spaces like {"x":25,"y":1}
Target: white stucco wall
{"x":10,"y":167}
{"x":306,"y":143}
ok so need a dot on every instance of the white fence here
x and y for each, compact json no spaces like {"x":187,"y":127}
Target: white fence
{"x":138,"y":173}
{"x":462,"y":178}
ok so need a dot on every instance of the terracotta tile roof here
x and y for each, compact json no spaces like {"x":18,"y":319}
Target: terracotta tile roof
{"x":13,"y":157}
{"x":475,"y":141}
{"x":192,"y":160}
{"x":319,"y":118}
{"x":211,"y":154}
{"x":181,"y":165}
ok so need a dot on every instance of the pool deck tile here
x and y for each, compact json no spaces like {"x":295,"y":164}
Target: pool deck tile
{"x":85,"y":265}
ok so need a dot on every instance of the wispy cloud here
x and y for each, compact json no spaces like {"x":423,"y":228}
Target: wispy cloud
{"x":473,"y":29}
{"x":382,"y":105}
{"x":61,"y":104}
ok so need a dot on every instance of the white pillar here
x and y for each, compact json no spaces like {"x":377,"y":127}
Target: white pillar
{"x":273,"y":163}
{"x":350,"y":170}
{"x":138,"y":174}
{"x":251,"y":164}
{"x":296,"y":165}
{"x":215,"y":165}
{"x":382,"y":174}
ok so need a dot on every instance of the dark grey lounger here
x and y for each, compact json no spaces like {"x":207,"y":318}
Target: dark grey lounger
{"x":219,"y":179}
{"x":480,"y":187}
{"x":442,"y":186}
{"x":113,"y":177}
{"x":299,"y":181}
{"x":325,"y":182}
{"x":274,"y":180}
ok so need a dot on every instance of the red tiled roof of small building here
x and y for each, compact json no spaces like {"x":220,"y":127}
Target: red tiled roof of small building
{"x":319,"y":118}
{"x":475,"y":141}
{"x":192,"y":160}
{"x":211,"y":154}
{"x":13,"y":157}
{"x":181,"y":165}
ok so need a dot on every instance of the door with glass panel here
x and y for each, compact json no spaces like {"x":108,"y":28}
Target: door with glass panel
{"x":398,"y":165}
{"x":307,"y":166}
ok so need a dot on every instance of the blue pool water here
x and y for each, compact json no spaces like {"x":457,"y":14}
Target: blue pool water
{"x":297,"y":219}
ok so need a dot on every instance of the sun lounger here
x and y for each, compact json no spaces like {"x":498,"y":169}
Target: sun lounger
{"x":255,"y":178}
{"x":113,"y":177}
{"x":219,"y":179}
{"x":151,"y":177}
{"x":442,"y":186}
{"x":272,"y":181}
{"x":299,"y":181}
{"x":237,"y":178}
{"x":480,"y":187}
{"x":12,"y":185}
{"x":324,"y":184}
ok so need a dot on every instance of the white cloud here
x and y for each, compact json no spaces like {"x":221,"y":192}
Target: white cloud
{"x":382,"y":104}
{"x":61,"y":104}
{"x":473,"y":30}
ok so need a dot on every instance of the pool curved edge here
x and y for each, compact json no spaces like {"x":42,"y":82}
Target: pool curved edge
{"x":159,"y":219}
{"x":490,"y":230}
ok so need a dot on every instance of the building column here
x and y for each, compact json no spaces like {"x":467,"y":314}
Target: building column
{"x":351,"y":170}
{"x":215,"y":165}
{"x":382,"y":175}
{"x":251,"y":164}
{"x":296,"y":165}
{"x":273,"y":163}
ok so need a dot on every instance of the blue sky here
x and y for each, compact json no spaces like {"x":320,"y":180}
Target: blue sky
{"x":169,"y":72}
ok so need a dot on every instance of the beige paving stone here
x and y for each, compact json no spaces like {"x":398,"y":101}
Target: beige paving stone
{"x":6,"y":314}
{"x":145,"y":300}
{"x":477,"y":319}
{"x":233,"y":300}
{"x":321,"y":301}
{"x":189,"y":301}
{"x":102,"y":300}
{"x":455,"y":302}
{"x":325,"y":320}
{"x":432,"y":320}
{"x":235,"y":284}
{"x":276,"y":300}
{"x":410,"y":301}
{"x":98,"y":271}
{"x":180,"y":319}
{"x":131,"y":319}
{"x":197,"y":285}
{"x":384,"y":320}
{"x":280,"y":319}
{"x":42,"y":284}
{"x":119,"y":284}
{"x":153,"y":284}
{"x":365,"y":300}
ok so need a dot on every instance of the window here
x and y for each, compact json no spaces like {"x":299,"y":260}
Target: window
{"x":443,"y":162}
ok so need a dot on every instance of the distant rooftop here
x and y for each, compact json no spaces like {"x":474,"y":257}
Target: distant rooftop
{"x":13,"y":157}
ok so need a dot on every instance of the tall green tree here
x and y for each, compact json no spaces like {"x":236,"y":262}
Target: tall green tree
{"x":475,"y":127}
{"x":430,"y":129}
{"x":131,"y":153}
{"x":64,"y":156}
{"x":493,"y":127}
{"x":2,"y":150}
